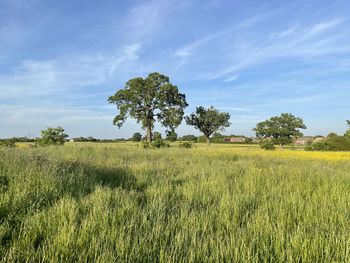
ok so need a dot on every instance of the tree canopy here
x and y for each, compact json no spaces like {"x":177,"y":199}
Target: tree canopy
{"x":137,"y":137}
{"x":171,"y":136}
{"x":347,"y":133}
{"x":52,"y":136}
{"x":149,"y":99}
{"x":208,"y":121}
{"x":280,"y":129}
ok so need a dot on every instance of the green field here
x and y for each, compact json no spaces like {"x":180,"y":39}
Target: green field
{"x":123,"y":203}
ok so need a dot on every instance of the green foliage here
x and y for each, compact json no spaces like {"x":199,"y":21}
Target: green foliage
{"x":267,"y":144}
{"x":189,"y":138}
{"x":208,"y":120}
{"x":145,"y":144}
{"x":332,"y":135}
{"x":171,"y":136}
{"x":186,"y":145}
{"x":217,"y":138}
{"x":158,"y":142}
{"x":8,"y":143}
{"x":332,"y":143}
{"x":281,"y":129}
{"x":157,"y":136}
{"x":137,"y":137}
{"x":149,"y":99}
{"x":347,"y":133}
{"x":52,"y":136}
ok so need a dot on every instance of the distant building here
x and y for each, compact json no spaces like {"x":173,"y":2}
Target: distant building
{"x":235,"y":139}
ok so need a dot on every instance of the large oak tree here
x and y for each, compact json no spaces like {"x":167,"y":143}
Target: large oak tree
{"x":150,"y":99}
{"x":280,"y":129}
{"x":209,"y":121}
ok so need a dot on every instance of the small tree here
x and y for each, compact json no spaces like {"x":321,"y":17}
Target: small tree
{"x":209,"y":121}
{"x":149,"y":99}
{"x":171,"y":136}
{"x":52,"y":136}
{"x":137,"y":137}
{"x":281,"y":129}
{"x":347,"y":133}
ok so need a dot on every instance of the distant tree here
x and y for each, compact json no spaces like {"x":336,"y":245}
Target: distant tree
{"x":347,"y":133}
{"x":137,"y":137}
{"x":8,"y":143}
{"x":149,"y":99}
{"x":157,"y":136}
{"x":208,"y":121}
{"x":280,"y":129}
{"x":52,"y":136}
{"x":217,"y":137}
{"x":171,"y":136}
{"x":189,"y":138}
{"x":332,"y":134}
{"x":158,"y":141}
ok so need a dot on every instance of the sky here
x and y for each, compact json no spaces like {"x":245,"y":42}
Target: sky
{"x":61,"y":60}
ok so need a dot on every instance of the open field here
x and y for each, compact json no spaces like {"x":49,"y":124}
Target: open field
{"x":119,"y":202}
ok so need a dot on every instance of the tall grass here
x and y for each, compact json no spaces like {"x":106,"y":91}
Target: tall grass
{"x":112,"y":203}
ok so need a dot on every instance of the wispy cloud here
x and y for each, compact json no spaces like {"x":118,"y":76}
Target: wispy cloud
{"x":231,"y":78}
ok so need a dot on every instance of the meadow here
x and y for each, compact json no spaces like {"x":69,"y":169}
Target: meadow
{"x":121,"y":203}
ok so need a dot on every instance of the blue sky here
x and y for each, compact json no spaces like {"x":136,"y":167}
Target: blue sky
{"x":60,"y":60}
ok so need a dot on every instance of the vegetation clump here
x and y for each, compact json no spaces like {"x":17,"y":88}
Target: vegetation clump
{"x":186,"y":145}
{"x":331,"y":143}
{"x":8,"y":143}
{"x":267,"y":144}
{"x":52,"y":136}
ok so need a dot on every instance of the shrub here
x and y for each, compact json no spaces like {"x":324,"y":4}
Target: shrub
{"x":319,"y":146}
{"x":267,"y":144}
{"x":145,"y":144}
{"x":186,"y":145}
{"x":159,"y":143}
{"x":332,"y":143}
{"x":52,"y":136}
{"x":8,"y":143}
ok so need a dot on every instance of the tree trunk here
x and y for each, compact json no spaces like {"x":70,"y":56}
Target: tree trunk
{"x":149,"y":134}
{"x":281,"y":146}
{"x":208,"y":141}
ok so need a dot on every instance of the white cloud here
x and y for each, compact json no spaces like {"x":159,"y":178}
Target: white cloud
{"x":231,"y":78}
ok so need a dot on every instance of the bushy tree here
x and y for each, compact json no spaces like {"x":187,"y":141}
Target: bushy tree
{"x":267,"y":144}
{"x":332,"y":135}
{"x":150,"y":99}
{"x":52,"y":136}
{"x":137,"y":137}
{"x":158,"y":141}
{"x":347,"y":133}
{"x":171,"y":136}
{"x":280,"y":129}
{"x":209,"y":121}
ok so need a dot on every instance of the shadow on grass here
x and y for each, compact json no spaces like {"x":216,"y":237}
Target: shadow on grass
{"x":64,"y":178}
